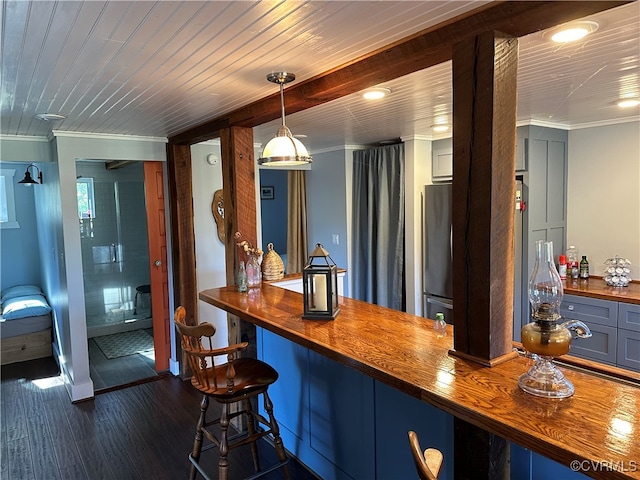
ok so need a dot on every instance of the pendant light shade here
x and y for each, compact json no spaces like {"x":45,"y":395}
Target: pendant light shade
{"x":283,"y":149}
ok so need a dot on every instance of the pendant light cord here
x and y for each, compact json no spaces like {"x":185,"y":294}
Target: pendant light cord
{"x":282,"y":100}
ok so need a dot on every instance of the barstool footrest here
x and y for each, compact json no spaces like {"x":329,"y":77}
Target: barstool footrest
{"x":252,"y":477}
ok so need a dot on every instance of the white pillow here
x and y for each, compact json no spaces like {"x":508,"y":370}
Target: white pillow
{"x":25,"y":306}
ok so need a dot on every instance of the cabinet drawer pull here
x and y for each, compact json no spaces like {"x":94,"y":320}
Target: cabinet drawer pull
{"x":570,"y":308}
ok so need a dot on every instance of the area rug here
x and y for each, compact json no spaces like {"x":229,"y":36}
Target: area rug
{"x":125,"y":343}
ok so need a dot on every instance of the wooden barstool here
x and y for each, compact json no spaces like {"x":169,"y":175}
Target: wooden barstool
{"x":429,"y":463}
{"x":237,"y":380}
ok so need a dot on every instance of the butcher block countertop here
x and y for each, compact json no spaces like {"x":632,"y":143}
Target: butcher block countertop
{"x":596,"y":287}
{"x":597,"y":428}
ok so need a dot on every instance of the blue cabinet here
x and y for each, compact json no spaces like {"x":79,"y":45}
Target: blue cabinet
{"x":344,"y":425}
{"x":396,"y":414}
{"x":324,"y":409}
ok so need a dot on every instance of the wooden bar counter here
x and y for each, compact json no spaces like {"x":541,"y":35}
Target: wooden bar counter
{"x":597,"y":429}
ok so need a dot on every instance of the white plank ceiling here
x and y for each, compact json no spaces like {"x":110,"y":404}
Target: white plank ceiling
{"x":159,"y":68}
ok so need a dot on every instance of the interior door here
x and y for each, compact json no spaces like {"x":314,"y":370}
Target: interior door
{"x":154,"y":198}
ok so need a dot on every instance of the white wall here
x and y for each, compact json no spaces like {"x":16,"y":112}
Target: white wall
{"x":603,"y":204}
{"x":210,"y":267}
{"x":417,"y":174}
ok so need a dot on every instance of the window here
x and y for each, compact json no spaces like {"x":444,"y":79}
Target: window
{"x":86,"y":203}
{"x":7,"y":200}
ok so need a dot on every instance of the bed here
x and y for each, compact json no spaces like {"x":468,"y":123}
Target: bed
{"x":25,"y":324}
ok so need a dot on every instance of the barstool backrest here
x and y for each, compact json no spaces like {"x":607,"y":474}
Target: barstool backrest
{"x":429,"y":463}
{"x":202,"y":358}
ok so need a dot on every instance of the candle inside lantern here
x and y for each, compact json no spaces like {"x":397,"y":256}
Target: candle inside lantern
{"x":320,"y":292}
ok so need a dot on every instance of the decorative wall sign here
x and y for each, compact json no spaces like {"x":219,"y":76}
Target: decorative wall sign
{"x":266,"y":193}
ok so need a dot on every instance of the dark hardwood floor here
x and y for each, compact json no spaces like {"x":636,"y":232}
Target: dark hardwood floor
{"x":143,"y":431}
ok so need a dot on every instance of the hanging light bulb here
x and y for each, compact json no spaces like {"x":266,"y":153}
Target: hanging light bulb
{"x":283,"y":149}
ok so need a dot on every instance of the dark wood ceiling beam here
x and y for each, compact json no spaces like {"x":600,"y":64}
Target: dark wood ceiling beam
{"x":417,"y":52}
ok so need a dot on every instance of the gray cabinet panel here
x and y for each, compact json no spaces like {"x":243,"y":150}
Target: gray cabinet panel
{"x":590,"y":310}
{"x":521,"y":150}
{"x":628,"y":354}
{"x":556,"y":182}
{"x":601,"y":347}
{"x":442,"y":159}
{"x":629,"y":317}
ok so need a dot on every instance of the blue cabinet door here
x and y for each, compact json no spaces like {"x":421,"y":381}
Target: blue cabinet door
{"x":396,"y":414}
{"x":290,"y":393}
{"x":324,"y":409}
{"x":341,"y":419}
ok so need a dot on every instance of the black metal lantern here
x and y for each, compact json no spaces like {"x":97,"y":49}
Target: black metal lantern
{"x":320,"y":286}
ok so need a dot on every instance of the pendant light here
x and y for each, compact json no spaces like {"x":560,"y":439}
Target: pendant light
{"x":283,"y":149}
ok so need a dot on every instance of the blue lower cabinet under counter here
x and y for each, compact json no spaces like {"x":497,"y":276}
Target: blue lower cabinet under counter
{"x":528,"y":465}
{"x":396,"y":414}
{"x":344,"y":425}
{"x":324,"y":410}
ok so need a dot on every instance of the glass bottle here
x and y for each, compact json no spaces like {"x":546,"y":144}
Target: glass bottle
{"x":254,"y":274}
{"x":573,"y":269}
{"x":440,"y":326}
{"x":584,"y":267}
{"x":242,"y":278}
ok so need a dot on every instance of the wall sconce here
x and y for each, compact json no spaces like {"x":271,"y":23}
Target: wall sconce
{"x":320,"y":286}
{"x":28,"y":179}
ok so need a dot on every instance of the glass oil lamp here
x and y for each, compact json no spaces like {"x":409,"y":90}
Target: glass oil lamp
{"x":544,"y":337}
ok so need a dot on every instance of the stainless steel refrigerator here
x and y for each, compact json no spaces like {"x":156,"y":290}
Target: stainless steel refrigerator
{"x":437,"y":251}
{"x":437,"y":242}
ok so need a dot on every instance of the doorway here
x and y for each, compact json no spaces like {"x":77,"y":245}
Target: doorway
{"x":115,"y":257}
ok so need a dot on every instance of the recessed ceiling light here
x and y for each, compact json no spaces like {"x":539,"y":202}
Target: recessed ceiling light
{"x":440,"y":127}
{"x":573,"y":31}
{"x":50,"y":117}
{"x":375,"y":93}
{"x":629,"y":102}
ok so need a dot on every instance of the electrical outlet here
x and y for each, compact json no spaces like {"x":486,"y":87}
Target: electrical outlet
{"x":335,"y":239}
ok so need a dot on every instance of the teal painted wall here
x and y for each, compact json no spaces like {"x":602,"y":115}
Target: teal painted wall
{"x":20,"y":258}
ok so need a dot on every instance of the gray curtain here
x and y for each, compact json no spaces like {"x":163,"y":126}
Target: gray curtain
{"x":296,"y":221}
{"x":378,"y":226}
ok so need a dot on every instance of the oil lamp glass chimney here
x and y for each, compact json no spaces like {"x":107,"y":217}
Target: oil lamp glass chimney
{"x":543,"y":337}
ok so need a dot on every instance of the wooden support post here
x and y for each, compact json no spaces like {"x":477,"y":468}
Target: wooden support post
{"x":183,"y":251}
{"x":484,"y":136}
{"x":182,"y":232}
{"x":238,"y":184}
{"x":484,"y":106}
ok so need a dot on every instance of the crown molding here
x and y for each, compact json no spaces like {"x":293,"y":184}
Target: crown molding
{"x":108,"y":136}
